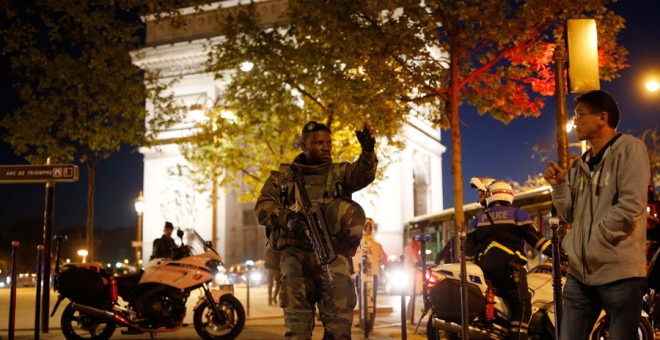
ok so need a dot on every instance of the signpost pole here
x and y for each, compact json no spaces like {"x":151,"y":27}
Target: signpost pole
{"x":48,"y":236}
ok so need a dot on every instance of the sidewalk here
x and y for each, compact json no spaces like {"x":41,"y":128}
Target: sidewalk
{"x":264,"y":321}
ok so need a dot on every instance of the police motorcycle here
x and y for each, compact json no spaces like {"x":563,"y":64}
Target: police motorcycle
{"x":153,"y":300}
{"x":489,"y":313}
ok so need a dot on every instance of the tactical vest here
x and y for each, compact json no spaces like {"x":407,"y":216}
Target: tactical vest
{"x":326,"y":190}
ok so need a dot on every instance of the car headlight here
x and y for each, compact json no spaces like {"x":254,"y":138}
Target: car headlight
{"x":255,"y":276}
{"x":215,"y":266}
{"x":221,"y":278}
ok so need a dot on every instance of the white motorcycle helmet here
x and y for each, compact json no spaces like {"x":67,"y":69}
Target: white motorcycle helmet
{"x":481,"y":184}
{"x":499,"y":191}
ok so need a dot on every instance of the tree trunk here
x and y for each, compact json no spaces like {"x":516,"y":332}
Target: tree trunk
{"x":214,"y":206}
{"x":457,"y":173}
{"x":455,"y":132}
{"x":91,"y":188}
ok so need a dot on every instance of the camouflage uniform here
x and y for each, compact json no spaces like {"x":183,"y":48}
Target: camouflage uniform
{"x":304,"y":284}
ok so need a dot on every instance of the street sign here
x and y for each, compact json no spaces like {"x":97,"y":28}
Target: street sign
{"x":38,"y":173}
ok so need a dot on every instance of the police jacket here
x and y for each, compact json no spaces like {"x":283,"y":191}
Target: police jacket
{"x":320,"y":184}
{"x":505,"y":229}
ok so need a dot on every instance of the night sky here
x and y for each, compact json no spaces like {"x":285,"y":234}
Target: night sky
{"x":490,"y":148}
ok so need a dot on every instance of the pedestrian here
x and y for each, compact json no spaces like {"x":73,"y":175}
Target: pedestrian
{"x":603,"y":195}
{"x":376,"y":256}
{"x":306,"y":285}
{"x":498,"y":235}
{"x":412,"y":262}
{"x":368,"y":260}
{"x":273,"y":274}
{"x":163,"y":246}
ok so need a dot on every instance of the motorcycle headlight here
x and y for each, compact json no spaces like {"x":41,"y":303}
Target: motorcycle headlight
{"x":215,"y":266}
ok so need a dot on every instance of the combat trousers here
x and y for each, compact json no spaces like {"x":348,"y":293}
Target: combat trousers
{"x":305,"y":286}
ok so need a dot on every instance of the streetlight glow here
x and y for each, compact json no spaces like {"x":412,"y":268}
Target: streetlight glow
{"x":569,"y":125}
{"x":83,"y":253}
{"x":246,"y":66}
{"x":140,"y":205}
{"x":652,"y":85}
{"x":198,"y":113}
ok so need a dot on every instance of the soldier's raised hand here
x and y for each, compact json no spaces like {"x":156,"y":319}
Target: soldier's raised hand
{"x":366,"y":137}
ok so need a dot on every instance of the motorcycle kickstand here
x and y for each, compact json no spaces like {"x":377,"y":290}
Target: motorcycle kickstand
{"x":421,"y":317}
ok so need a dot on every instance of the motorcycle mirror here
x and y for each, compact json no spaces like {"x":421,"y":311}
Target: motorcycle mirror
{"x":179,"y":233}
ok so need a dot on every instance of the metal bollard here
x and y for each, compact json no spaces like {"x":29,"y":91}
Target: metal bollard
{"x":37,"y":308}
{"x":404,"y":325}
{"x":12,"y":289}
{"x":556,"y":274}
{"x":248,"y":289}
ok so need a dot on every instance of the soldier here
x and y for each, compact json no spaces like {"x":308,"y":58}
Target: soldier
{"x":305,"y":285}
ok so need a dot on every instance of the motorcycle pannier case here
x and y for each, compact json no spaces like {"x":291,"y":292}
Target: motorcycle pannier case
{"x":81,"y":285}
{"x":446,"y":300}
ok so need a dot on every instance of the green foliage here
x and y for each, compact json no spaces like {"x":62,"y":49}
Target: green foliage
{"x":345,"y":61}
{"x":82,"y":97}
{"x":349,"y":60}
{"x":295,"y":78}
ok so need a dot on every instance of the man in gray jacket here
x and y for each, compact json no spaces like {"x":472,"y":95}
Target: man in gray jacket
{"x":603,"y":196}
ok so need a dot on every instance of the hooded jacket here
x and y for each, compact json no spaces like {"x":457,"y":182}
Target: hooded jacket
{"x":607,"y":208}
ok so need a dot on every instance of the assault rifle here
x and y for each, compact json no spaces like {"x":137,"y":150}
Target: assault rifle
{"x":316,"y":229}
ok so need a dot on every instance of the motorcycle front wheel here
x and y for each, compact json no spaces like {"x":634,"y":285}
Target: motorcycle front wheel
{"x":209,"y":328}
{"x":602,"y":330}
{"x":432,"y":333}
{"x":76,"y":325}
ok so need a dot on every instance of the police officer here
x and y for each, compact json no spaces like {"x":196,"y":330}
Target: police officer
{"x":498,"y":236}
{"x":163,"y":246}
{"x":305,"y":285}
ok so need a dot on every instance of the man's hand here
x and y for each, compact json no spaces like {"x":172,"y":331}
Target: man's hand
{"x":554,"y":174}
{"x":366,"y":137}
{"x":296,"y":221}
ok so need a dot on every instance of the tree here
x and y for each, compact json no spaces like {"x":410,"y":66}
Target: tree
{"x":82,"y":98}
{"x":330,"y":59}
{"x":293,"y":80}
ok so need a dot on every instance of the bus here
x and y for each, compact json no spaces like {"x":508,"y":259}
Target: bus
{"x":441,"y":227}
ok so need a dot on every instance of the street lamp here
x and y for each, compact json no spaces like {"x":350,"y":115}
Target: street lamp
{"x":652,"y":85}
{"x":83,"y":253}
{"x":581,"y":143}
{"x":139,"y":208}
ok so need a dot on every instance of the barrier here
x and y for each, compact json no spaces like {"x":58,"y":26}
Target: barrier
{"x":12,"y":289}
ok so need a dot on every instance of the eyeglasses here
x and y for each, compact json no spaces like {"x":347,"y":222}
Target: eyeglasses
{"x":578,"y":115}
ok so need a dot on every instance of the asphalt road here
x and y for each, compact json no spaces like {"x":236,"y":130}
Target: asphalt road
{"x":263,"y":322}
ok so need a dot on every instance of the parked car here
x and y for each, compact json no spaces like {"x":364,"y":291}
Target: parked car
{"x":238,"y":273}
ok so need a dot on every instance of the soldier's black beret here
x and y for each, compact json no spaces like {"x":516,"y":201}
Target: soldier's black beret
{"x":313,"y":126}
